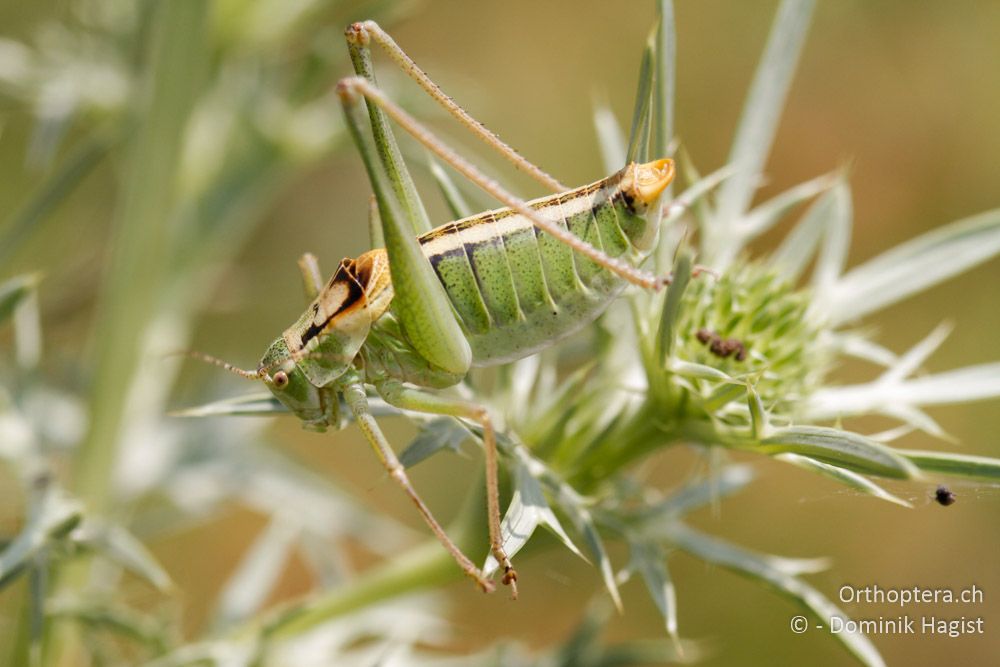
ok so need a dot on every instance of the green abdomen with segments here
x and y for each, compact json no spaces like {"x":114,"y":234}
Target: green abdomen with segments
{"x":517,"y":289}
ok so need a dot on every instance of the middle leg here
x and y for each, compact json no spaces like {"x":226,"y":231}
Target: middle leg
{"x":418,"y":400}
{"x":357,"y":400}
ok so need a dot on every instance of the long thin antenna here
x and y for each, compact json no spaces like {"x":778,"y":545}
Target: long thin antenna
{"x":208,"y":359}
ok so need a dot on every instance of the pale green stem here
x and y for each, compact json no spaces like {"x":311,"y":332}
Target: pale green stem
{"x":142,"y":236}
{"x":426,"y":566}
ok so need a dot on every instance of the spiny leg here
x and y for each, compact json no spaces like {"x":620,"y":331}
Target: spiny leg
{"x":312,"y":279}
{"x":408,"y":398}
{"x":357,"y":400}
{"x":351,"y":87}
{"x":361,"y":33}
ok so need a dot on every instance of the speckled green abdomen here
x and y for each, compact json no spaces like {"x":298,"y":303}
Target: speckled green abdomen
{"x":517,"y":289}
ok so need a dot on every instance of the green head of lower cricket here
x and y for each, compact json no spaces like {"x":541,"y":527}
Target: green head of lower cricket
{"x":317,"y":406}
{"x":306,"y":365}
{"x":286,"y":378}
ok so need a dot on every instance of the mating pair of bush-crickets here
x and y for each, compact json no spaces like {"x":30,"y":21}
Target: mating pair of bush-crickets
{"x":487,"y":289}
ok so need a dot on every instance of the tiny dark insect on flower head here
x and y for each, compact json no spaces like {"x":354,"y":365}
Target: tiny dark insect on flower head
{"x":722,"y":347}
{"x":944,"y":496}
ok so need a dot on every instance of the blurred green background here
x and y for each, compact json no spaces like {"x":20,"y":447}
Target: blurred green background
{"x":907,"y":94}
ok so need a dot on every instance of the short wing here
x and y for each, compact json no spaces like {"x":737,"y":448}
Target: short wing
{"x":328,"y":336}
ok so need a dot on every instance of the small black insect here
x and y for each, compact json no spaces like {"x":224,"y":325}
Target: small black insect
{"x":722,"y":347}
{"x":943,"y":496}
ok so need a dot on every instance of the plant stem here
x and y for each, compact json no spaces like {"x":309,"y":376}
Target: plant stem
{"x":133,"y":284}
{"x":142,"y":234}
{"x":425,"y":566}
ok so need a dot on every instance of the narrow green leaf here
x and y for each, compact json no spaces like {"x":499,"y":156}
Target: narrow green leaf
{"x":610,"y":139}
{"x":649,"y":560}
{"x":375,"y":224}
{"x":671,"y":307}
{"x":693,"y":199}
{"x":769,"y":213}
{"x":638,"y":141}
{"x":698,"y":371}
{"x":118,"y":544}
{"x":665,"y":79}
{"x":797,"y":248}
{"x":256,"y":404}
{"x":262,"y":405}
{"x":860,"y":347}
{"x":452,"y":195}
{"x":38,"y":591}
{"x":914,"y":266}
{"x":961,"y":465}
{"x":840,"y":448}
{"x":973,"y":383}
{"x":600,"y":555}
{"x":53,"y":516}
{"x":702,"y":208}
{"x":723,"y":396}
{"x":694,"y":195}
{"x":846,"y":477}
{"x":213,"y":653}
{"x":572,"y":505}
{"x":257,"y":573}
{"x":962,"y":385}
{"x":519,"y":382}
{"x":554,"y":409}
{"x":14,"y":291}
{"x":762,"y":110}
{"x":438,"y":434}
{"x":838,"y":218}
{"x":767,"y":569}
{"x":911,"y":361}
{"x":727,"y":481}
{"x":121,"y":620}
{"x":528,"y":510}
{"x":27,"y":332}
{"x":915,"y":418}
{"x":759,"y":424}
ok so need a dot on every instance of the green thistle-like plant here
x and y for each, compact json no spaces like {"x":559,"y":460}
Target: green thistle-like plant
{"x":735,"y":359}
{"x":767,"y":317}
{"x":738,"y":358}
